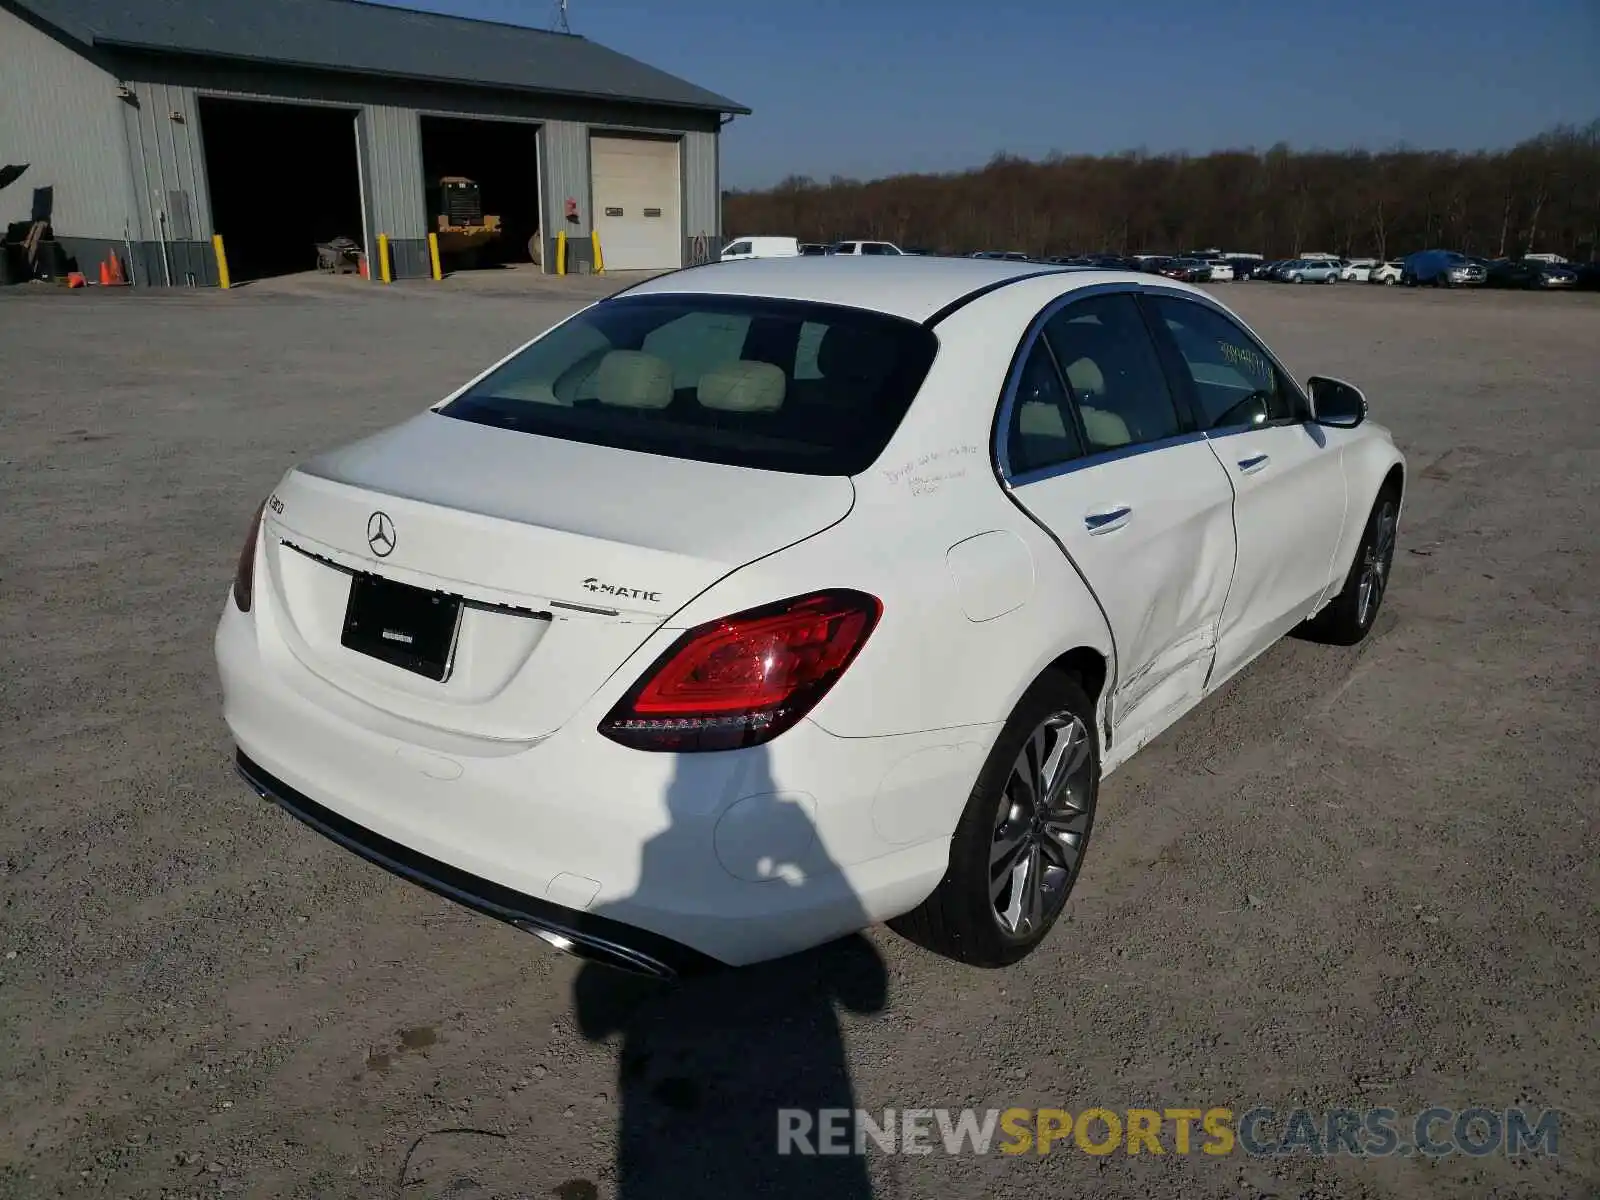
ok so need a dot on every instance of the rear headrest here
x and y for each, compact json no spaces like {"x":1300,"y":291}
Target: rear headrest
{"x":756,"y":387}
{"x":847,"y":353}
{"x":633,"y":379}
{"x":1085,"y":376}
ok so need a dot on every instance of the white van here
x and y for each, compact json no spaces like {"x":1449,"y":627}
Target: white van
{"x":761,"y":247}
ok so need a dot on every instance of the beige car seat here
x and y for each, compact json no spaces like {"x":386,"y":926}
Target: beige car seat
{"x":1106,"y":430}
{"x":633,"y":379}
{"x":746,"y":387}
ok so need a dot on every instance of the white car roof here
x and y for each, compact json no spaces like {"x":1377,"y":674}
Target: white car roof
{"x":910,"y":286}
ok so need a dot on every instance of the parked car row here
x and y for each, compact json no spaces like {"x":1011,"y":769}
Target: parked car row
{"x":1426,"y":268}
{"x":1438,"y":268}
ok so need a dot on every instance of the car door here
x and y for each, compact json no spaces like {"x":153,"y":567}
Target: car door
{"x":1287,"y":476}
{"x":1097,"y":449}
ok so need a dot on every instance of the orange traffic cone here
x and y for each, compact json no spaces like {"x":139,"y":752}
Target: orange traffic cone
{"x":118,"y":279}
{"x":75,"y":279}
{"x":105,"y":273}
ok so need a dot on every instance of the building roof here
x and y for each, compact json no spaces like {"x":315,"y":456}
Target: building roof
{"x":911,"y":286}
{"x":374,"y":39}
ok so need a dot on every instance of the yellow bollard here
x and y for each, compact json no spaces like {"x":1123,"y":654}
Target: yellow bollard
{"x":383,"y":258}
{"x":433,"y":255}
{"x":561,"y":252}
{"x":224,"y":280}
{"x":599,"y":262}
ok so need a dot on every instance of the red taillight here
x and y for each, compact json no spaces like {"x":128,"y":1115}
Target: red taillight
{"x":244,"y":578}
{"x":743,"y":680}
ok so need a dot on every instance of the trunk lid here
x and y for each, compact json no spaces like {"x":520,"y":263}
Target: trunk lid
{"x":566,"y":555}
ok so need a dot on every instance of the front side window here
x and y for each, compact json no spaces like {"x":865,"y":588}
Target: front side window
{"x":738,"y":248}
{"x":778,"y":385}
{"x":1110,"y":364}
{"x":1235,"y":383}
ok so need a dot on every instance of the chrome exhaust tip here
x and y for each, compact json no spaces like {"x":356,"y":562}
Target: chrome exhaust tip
{"x":597,"y":950}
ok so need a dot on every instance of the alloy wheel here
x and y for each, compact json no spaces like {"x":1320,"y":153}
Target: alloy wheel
{"x":1375,"y":564}
{"x":1039,"y":833}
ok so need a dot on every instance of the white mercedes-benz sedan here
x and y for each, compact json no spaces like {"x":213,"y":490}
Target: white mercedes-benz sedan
{"x":767,"y":600}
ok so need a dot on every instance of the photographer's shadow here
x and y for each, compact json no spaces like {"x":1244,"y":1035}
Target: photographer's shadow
{"x":707,"y":1062}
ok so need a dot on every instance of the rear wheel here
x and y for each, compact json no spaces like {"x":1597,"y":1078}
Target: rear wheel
{"x":1017,"y":851}
{"x":1351,"y":614}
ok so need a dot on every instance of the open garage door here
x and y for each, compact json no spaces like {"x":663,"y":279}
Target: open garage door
{"x":282,"y":178}
{"x":502,"y":159}
{"x":636,"y":202}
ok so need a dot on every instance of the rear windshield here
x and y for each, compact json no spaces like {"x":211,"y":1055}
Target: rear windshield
{"x":778,"y":385}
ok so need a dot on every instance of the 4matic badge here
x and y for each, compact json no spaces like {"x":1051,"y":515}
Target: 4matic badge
{"x":611,"y":589}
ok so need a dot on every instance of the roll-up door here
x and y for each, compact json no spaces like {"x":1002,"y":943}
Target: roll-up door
{"x":636,"y":202}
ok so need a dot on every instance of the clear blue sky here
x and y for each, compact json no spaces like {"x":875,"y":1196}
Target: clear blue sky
{"x":877,"y":87}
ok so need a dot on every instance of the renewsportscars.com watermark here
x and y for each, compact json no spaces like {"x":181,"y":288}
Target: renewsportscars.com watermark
{"x":1261,"y":1132}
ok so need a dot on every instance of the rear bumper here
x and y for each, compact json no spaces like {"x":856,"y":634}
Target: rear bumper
{"x":585,"y":935}
{"x":735,"y":857}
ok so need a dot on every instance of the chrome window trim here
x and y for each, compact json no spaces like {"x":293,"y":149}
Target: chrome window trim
{"x":1025,"y":348}
{"x":1104,"y":456}
{"x":1008,"y":398}
{"x":1228,"y":431}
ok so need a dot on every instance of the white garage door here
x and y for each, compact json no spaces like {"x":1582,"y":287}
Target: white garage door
{"x":636,"y":204}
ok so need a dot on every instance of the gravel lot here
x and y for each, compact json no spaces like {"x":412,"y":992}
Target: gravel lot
{"x":1355,"y":878}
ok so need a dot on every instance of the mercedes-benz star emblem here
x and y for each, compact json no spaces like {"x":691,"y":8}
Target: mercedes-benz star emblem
{"x":380,"y":534}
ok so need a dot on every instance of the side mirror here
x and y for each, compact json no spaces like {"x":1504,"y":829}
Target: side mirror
{"x":1336,"y":403}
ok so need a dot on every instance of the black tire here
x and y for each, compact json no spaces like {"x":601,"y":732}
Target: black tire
{"x":960,"y":919}
{"x":1349,"y":617}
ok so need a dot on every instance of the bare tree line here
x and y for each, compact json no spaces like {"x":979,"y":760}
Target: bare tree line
{"x":1541,"y":195}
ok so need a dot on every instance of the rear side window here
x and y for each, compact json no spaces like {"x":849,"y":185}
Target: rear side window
{"x":1235,"y":383}
{"x":776,"y":385}
{"x":1043,"y":431}
{"x":1116,"y":379}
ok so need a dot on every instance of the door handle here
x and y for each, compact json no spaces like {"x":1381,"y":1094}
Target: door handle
{"x":1254,"y":463}
{"x":1107,"y":520}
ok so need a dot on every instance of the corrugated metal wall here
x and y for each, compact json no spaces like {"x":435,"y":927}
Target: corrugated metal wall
{"x":702,"y":205}
{"x":169,"y":180}
{"x":59,"y":114}
{"x":563,"y":174}
{"x":391,"y":140}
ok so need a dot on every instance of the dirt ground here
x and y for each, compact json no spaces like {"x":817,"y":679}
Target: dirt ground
{"x":1356,"y":878}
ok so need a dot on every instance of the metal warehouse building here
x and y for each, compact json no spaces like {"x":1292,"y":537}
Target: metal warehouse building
{"x":284,"y":123}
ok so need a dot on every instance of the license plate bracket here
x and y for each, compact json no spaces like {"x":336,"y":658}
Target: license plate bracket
{"x":408,"y":627}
